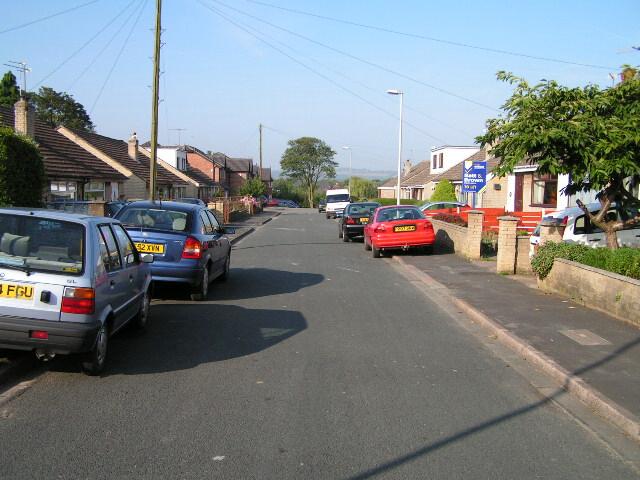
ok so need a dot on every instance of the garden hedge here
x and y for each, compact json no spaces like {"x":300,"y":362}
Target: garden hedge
{"x":22,"y":175}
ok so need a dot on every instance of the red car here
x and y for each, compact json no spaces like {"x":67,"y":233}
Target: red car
{"x":398,"y":227}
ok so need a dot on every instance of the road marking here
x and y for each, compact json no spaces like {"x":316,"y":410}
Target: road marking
{"x":346,"y":269}
{"x":585,"y":337}
{"x":290,"y":229}
{"x":218,"y":458}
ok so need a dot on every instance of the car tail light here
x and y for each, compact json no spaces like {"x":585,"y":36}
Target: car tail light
{"x":39,"y":334}
{"x":192,"y":248}
{"x":79,"y":300}
{"x":427,"y":225}
{"x":565,"y":220}
{"x":380,"y":228}
{"x":351,"y":221}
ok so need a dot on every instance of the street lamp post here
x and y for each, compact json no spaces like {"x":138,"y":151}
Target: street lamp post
{"x":349,"y":148}
{"x":398,"y":92}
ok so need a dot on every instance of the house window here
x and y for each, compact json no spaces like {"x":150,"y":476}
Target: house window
{"x":441,"y":161}
{"x":544,"y":191}
{"x":435,"y":161}
{"x":94,"y":191}
{"x":62,"y":190}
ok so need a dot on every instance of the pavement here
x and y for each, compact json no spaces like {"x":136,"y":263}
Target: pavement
{"x":14,"y":364}
{"x":596,"y":354}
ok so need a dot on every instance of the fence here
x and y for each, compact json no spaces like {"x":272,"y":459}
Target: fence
{"x":527,"y":221}
{"x":228,"y":207}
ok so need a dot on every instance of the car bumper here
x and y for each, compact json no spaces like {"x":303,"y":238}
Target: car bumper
{"x":64,"y":337}
{"x":190,"y":275}
{"x":354,"y":230}
{"x":389,"y":243}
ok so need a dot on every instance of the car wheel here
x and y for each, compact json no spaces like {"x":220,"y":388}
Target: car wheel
{"x":340,"y":233}
{"x":227,"y":267}
{"x":345,"y":237}
{"x":94,"y":361}
{"x":202,"y":290}
{"x":367,"y":247}
{"x":375,"y":252}
{"x":327,"y":216}
{"x":141,"y":320}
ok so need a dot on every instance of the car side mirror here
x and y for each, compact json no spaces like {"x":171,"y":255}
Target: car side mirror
{"x":130,"y":259}
{"x":146,"y":258}
{"x":228,"y":230}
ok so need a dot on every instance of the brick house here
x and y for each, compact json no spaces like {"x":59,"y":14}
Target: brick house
{"x":239,"y":170}
{"x":211,"y":166}
{"x":267,"y":179}
{"x":130,"y":160}
{"x":72,"y":172}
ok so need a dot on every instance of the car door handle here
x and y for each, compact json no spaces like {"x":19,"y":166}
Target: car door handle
{"x":595,"y":239}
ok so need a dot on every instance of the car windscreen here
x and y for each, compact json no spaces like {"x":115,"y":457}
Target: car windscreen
{"x":154,"y":218}
{"x":343,"y":197}
{"x":41,"y":244}
{"x":394,"y":214}
{"x":362,"y":209}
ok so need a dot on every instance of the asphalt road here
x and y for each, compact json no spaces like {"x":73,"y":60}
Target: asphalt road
{"x":313,"y":361}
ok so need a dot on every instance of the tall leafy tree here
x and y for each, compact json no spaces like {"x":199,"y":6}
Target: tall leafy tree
{"x":254,"y":187}
{"x":444,"y":192}
{"x":590,"y":133}
{"x":308,"y":159}
{"x":60,"y":108}
{"x":363,"y":188}
{"x":9,"y":90}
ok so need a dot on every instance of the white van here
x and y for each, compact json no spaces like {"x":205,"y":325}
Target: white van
{"x":337,"y":200}
{"x":578,"y":228}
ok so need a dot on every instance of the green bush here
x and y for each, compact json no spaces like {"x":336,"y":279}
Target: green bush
{"x":444,"y":192}
{"x":22,"y":176}
{"x":392,"y":201}
{"x":623,"y":261}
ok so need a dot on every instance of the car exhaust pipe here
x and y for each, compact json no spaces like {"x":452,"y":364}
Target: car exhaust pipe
{"x":44,"y":356}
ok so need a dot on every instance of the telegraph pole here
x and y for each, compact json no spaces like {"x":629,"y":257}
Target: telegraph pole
{"x":23,"y":69}
{"x":260,"y":128}
{"x":154,"y":103}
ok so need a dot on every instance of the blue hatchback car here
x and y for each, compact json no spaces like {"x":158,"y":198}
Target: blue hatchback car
{"x":188,"y":244}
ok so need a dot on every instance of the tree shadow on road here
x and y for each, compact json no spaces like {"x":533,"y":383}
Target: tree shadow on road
{"x":248,"y":283}
{"x":181,"y":337}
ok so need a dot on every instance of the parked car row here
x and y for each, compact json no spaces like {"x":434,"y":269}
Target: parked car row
{"x":68,"y":282}
{"x":396,"y":227}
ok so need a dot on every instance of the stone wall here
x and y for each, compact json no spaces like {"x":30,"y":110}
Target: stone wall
{"x":598,"y":289}
{"x":450,"y":238}
{"x":523,"y":262}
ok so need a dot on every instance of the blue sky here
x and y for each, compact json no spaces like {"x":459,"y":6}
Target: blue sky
{"x":219,"y":82}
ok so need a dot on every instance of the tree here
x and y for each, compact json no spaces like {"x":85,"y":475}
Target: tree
{"x":60,"y":108}
{"x":363,"y":188}
{"x":287,"y":189}
{"x":307,"y":160}
{"x":9,"y":90}
{"x":444,"y":192}
{"x":254,"y":187}
{"x":590,"y":133}
{"x":22,"y":176}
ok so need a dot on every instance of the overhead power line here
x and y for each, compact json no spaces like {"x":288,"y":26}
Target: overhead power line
{"x":248,"y":29}
{"x":429,"y":38}
{"x":42,"y":19}
{"x":115,"y":62}
{"x":362,"y":60}
{"x":85,"y":44}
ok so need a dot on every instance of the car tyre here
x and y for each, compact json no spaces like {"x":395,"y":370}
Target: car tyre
{"x":94,"y":361}
{"x":202,"y":290}
{"x":227,"y":267}
{"x":367,"y":247}
{"x":375,"y":252}
{"x":340,"y":233}
{"x":345,"y":237}
{"x":141,"y":320}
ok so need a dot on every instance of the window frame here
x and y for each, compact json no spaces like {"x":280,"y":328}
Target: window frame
{"x":546,"y":178}
{"x":108,"y":267}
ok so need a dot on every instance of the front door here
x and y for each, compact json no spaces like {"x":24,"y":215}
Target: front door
{"x":518,"y":203}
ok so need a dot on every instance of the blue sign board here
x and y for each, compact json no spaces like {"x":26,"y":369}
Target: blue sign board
{"x":474,"y":176}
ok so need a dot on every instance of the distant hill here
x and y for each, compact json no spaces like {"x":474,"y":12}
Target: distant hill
{"x":343,"y":173}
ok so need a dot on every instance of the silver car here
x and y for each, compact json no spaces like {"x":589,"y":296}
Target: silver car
{"x":67,"y":283}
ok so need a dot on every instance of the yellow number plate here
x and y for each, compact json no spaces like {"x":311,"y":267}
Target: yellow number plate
{"x":11,"y":290}
{"x":364,"y":220}
{"x":404,"y":228}
{"x":150,"y":247}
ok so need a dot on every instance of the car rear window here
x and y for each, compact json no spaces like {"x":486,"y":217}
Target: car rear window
{"x":394,"y":214}
{"x":41,"y":244}
{"x":338,"y":198}
{"x":362,"y":209}
{"x":155,"y":218}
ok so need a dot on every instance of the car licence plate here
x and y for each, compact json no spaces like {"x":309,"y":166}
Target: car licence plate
{"x":150,"y":247}
{"x":364,"y":220}
{"x":404,"y":228}
{"x":20,"y":292}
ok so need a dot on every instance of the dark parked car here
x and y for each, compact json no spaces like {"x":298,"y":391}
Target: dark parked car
{"x":322,"y":205}
{"x":355,"y":217}
{"x":188,"y":243}
{"x":288,"y":204}
{"x":195,"y":201}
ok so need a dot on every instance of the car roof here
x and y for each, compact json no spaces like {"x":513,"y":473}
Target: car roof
{"x":385,"y":207}
{"x":177,"y":206}
{"x":56,"y":215}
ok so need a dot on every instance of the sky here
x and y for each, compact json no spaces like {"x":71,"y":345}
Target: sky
{"x":301,"y":75}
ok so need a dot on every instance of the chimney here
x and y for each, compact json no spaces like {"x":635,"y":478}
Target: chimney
{"x":133,"y":146}
{"x":24,"y":118}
